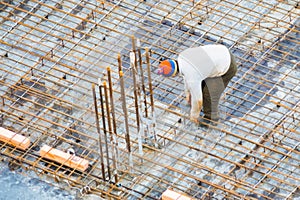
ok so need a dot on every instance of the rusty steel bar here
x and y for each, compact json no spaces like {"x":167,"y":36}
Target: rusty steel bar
{"x":142,"y":76}
{"x":124,"y":106}
{"x":100,"y":86}
{"x":108,"y":111}
{"x":99,"y":132}
{"x":136,"y":89}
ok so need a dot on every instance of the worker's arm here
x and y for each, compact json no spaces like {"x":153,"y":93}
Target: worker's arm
{"x":196,"y":102}
{"x":187,"y":92}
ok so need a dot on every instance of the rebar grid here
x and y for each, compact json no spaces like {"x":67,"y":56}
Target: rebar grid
{"x":52,"y":52}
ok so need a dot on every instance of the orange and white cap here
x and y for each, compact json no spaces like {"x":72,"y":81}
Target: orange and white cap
{"x":167,"y":68}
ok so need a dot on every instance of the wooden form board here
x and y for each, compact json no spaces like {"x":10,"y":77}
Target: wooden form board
{"x":173,"y":195}
{"x":64,"y":158}
{"x":14,"y":139}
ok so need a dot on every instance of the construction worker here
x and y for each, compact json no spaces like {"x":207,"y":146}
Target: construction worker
{"x":206,"y":70}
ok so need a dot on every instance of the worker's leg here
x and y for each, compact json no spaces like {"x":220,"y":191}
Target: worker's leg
{"x":213,"y":88}
{"x":231,"y":71}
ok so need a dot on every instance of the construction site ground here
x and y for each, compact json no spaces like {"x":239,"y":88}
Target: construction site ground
{"x":67,"y":81}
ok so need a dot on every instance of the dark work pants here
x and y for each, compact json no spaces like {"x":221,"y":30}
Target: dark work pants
{"x":212,"y":89}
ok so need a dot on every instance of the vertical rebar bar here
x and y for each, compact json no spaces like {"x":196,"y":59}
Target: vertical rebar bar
{"x":149,"y":80}
{"x":113,"y":114}
{"x":110,"y":130}
{"x":119,"y":63}
{"x":104,"y":128}
{"x":138,"y":44}
{"x":151,"y":92}
{"x":111,"y":97}
{"x":98,"y":130}
{"x":133,"y":63}
{"x":124,"y":107}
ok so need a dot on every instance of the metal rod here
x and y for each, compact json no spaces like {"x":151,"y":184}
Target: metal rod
{"x":99,"y":133}
{"x":151,"y":93}
{"x":142,"y":77}
{"x":124,"y":106}
{"x":108,"y":111}
{"x":104,"y":128}
{"x":149,"y":80}
{"x":114,"y":120}
{"x":136,"y":90}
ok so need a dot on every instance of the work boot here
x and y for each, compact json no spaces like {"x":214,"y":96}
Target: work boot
{"x":206,"y":122}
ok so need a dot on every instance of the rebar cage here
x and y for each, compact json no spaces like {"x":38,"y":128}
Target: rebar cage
{"x":78,"y":76}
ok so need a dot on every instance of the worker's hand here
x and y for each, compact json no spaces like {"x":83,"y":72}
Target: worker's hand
{"x":195,"y":110}
{"x":194,"y":119}
{"x":188,"y":99}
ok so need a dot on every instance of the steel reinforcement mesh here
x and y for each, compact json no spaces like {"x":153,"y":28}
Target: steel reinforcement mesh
{"x":61,"y":86}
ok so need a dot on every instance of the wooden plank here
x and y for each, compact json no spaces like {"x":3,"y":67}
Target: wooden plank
{"x":64,"y":158}
{"x":14,"y":139}
{"x":172,"y":195}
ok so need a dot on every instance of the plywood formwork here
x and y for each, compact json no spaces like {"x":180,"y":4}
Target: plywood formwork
{"x":60,"y":86}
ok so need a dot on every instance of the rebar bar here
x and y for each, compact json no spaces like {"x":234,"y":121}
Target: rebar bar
{"x":99,"y":133}
{"x":102,"y":97}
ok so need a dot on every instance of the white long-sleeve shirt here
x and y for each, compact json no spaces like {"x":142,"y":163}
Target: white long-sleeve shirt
{"x":199,"y":63}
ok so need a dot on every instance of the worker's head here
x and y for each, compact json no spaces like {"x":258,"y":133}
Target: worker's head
{"x":167,"y":68}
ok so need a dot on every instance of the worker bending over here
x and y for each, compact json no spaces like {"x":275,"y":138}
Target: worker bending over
{"x":207,"y":71}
